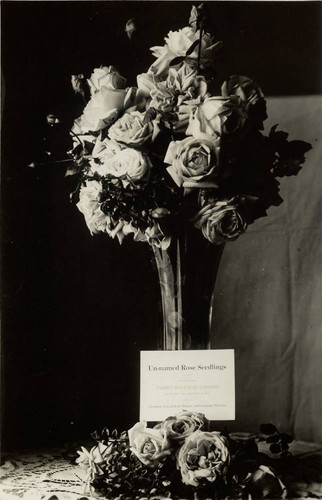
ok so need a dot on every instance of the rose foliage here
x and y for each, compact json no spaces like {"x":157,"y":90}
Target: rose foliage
{"x":181,"y":458}
{"x":179,"y":149}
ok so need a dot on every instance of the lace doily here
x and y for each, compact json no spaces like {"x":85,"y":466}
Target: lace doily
{"x":42,"y":476}
{"x":53,"y":475}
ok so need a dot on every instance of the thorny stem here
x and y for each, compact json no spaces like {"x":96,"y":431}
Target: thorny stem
{"x":46,"y":164}
{"x":199,"y":48}
{"x":171,"y":130}
{"x":75,"y":135}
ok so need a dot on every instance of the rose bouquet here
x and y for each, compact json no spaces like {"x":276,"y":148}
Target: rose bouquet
{"x":181,"y":458}
{"x":170,"y":153}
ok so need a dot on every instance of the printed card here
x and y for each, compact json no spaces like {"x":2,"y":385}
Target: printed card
{"x":202,"y":381}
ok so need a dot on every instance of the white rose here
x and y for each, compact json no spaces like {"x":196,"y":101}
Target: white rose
{"x":217,"y":116}
{"x":130,"y":129}
{"x":106,"y":77}
{"x":89,"y":205}
{"x":181,"y":85}
{"x":98,"y":222}
{"x":127,"y":161}
{"x":104,"y":108}
{"x":147,"y":444}
{"x":105,"y":149}
{"x":93,"y":458}
{"x":177,"y":44}
{"x":192,"y":160}
{"x":187,"y":81}
{"x":146,"y":82}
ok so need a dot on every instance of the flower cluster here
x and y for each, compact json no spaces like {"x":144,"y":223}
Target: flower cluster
{"x":180,"y":458}
{"x":170,"y":152}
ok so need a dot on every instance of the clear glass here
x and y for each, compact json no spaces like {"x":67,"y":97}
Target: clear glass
{"x":187,"y":273}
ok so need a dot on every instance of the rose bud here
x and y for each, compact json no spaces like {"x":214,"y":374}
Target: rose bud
{"x":131,"y":27}
{"x":265,"y":484}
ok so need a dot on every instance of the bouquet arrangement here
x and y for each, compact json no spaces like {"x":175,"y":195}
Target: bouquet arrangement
{"x":171,"y":153}
{"x":181,"y":458}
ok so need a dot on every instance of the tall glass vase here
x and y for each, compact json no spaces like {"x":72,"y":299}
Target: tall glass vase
{"x":187,"y":272}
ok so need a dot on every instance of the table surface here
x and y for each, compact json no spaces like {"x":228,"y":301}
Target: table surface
{"x":53,"y":475}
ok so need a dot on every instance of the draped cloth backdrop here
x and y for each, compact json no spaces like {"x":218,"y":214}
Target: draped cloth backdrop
{"x":268,"y":293}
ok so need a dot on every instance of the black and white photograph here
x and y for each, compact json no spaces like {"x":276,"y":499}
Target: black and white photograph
{"x":161,"y":237}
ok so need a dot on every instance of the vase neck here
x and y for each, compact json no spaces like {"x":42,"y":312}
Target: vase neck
{"x":187,"y":272}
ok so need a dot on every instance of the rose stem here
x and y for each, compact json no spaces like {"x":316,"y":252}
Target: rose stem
{"x":199,"y":48}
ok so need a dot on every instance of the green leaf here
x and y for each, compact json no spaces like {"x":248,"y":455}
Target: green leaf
{"x":177,"y":60}
{"x":268,"y":429}
{"x":192,"y":47}
{"x":275,"y":448}
{"x":273,"y":439}
{"x":73,"y":169}
{"x":286,"y":438}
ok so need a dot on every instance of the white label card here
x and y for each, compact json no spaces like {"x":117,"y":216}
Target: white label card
{"x":202,"y":381}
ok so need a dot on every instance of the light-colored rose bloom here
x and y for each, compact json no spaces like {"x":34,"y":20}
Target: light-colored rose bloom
{"x":146,"y":83}
{"x":179,"y":427}
{"x":147,"y":444}
{"x":221,"y":221}
{"x":98,"y":222}
{"x":178,"y":95}
{"x":102,"y":110}
{"x":192,"y":160}
{"x":203,"y":456}
{"x":105,"y":76}
{"x":177,"y":44}
{"x":181,"y":85}
{"x":217,"y":116}
{"x":187,"y":82}
{"x":93,"y":458}
{"x":90,"y":207}
{"x":105,"y":107}
{"x":105,"y":149}
{"x":131,"y":130}
{"x":183,"y":114}
{"x":125,"y":162}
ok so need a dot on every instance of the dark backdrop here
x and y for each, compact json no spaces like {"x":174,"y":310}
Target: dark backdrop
{"x":76,"y":309}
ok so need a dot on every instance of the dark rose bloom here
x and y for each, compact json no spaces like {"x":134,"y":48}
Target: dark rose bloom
{"x":250,"y":94}
{"x":221,"y":221}
{"x":265,"y":484}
